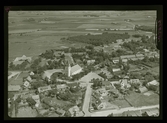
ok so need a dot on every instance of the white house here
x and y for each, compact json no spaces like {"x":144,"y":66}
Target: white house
{"x":43,"y":89}
{"x":154,"y":83}
{"x":23,"y":58}
{"x":26,"y":84}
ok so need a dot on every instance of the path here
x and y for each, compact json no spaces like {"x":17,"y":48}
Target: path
{"x":14,"y":73}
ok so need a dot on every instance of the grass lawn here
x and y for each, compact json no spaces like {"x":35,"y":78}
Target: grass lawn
{"x":138,"y":99}
{"x":121,"y":103}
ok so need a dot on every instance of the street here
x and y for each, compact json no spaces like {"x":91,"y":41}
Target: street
{"x":85,"y":107}
{"x":107,"y":112}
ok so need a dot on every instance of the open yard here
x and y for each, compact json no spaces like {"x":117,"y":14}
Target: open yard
{"x":138,"y":99}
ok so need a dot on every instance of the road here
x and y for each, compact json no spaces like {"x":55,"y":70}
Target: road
{"x":107,"y":112}
{"x":14,"y":73}
{"x":85,"y":107}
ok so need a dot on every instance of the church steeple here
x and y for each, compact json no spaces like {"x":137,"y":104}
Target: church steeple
{"x":69,"y":70}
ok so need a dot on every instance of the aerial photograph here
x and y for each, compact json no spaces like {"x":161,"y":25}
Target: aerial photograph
{"x":83,"y":64}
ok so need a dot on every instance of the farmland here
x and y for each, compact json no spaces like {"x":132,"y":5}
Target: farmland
{"x":32,"y":32}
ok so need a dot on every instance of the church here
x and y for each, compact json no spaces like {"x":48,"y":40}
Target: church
{"x":70,"y":71}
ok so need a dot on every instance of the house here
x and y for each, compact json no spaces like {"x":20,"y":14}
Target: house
{"x":132,"y":113}
{"x":90,"y":62}
{"x":115,"y":60}
{"x":58,"y":53}
{"x":14,"y":88}
{"x":43,"y":89}
{"x":26,"y":84}
{"x":23,"y":58}
{"x":37,"y":99}
{"x":153,"y":83}
{"x":43,"y":63}
{"x":102,"y":92}
{"x":142,"y":89}
{"x":31,"y":73}
{"x":134,"y":81}
{"x":60,"y":111}
{"x":102,"y":105}
{"x":48,"y":73}
{"x":62,"y":87}
{"x":124,"y":82}
{"x":151,"y":112}
{"x":29,"y":79}
{"x":116,"y":69}
{"x":17,"y":62}
{"x":75,"y":111}
{"x":146,"y":50}
{"x":87,"y":78}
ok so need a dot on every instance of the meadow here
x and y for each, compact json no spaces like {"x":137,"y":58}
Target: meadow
{"x":28,"y":36}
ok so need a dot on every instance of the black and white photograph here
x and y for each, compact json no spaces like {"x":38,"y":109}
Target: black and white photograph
{"x":89,"y":63}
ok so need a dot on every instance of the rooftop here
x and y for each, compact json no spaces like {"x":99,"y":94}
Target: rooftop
{"x":75,"y":68}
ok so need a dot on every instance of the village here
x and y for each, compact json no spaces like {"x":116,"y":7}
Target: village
{"x":86,"y":81}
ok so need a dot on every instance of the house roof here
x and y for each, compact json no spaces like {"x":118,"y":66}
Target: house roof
{"x":87,"y":78}
{"x":45,"y":88}
{"x":61,"y":86}
{"x":23,"y":58}
{"x":134,"y":80}
{"x":143,"y":89}
{"x":127,"y":56}
{"x":17,"y":62}
{"x":14,"y":87}
{"x":29,"y":78}
{"x":43,"y":62}
{"x":154,"y":82}
{"x":35,"y":97}
{"x":75,"y":68}
{"x":26,"y":83}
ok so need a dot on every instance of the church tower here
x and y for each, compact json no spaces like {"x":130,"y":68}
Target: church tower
{"x":69,"y":70}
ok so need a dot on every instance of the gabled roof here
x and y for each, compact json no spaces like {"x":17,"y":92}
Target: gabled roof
{"x":75,"y":68}
{"x":154,"y":82}
{"x":45,"y":88}
{"x":17,"y":62}
{"x":143,"y":89}
{"x":90,"y":76}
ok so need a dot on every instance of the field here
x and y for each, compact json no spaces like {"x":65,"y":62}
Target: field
{"x":138,"y":99}
{"x":39,"y":37}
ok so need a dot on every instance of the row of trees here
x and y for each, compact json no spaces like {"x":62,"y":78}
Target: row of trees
{"x":21,"y":66}
{"x":98,"y":40}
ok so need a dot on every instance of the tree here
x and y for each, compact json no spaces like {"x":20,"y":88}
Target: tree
{"x":149,"y":78}
{"x":31,"y":101}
